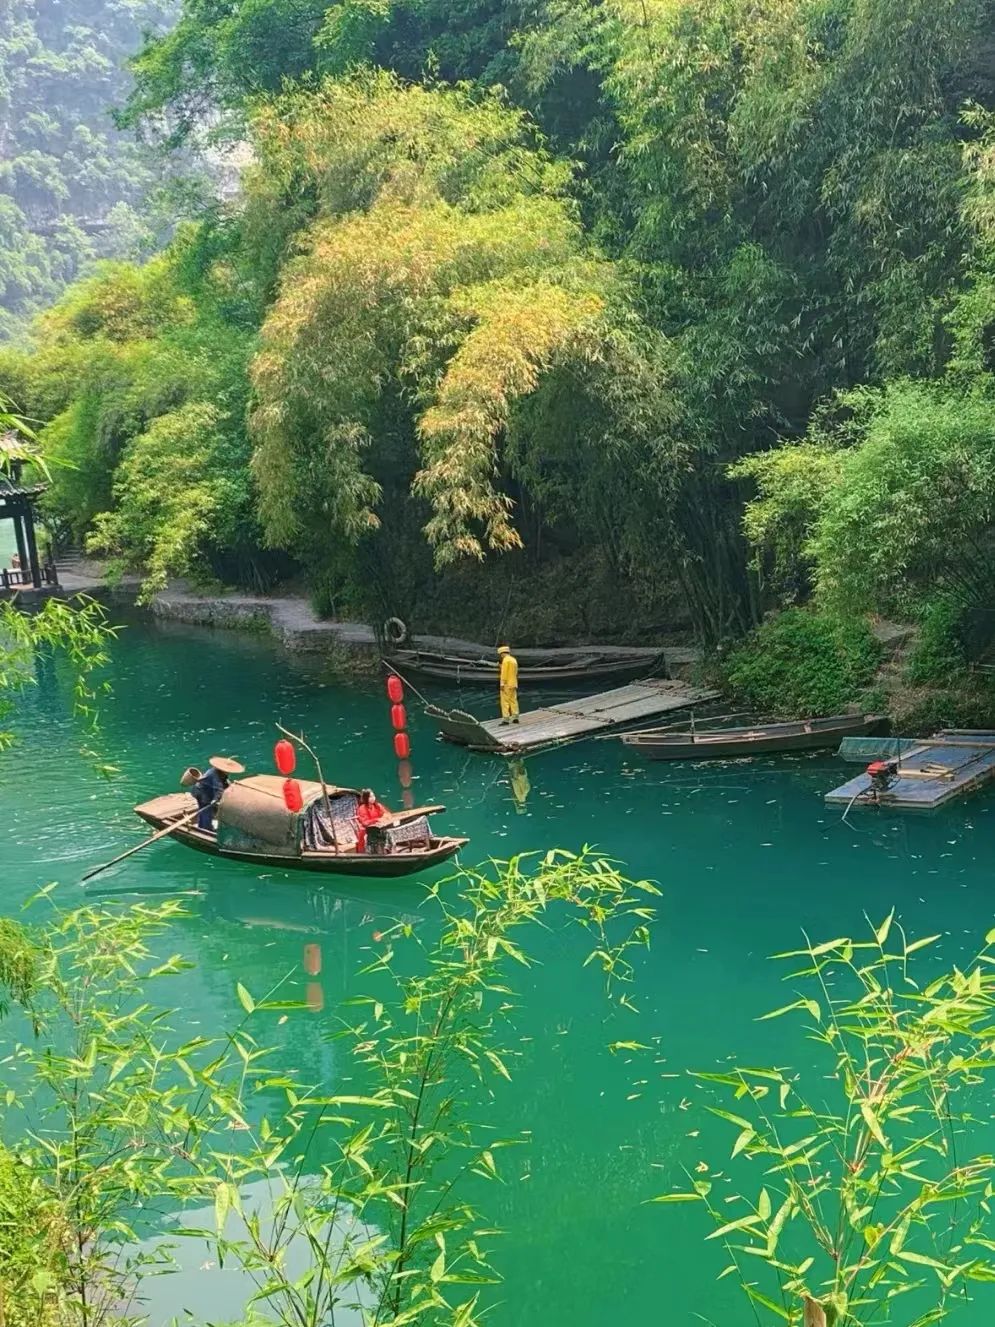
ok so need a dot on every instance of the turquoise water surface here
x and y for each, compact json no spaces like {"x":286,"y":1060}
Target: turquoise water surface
{"x":746,"y":855}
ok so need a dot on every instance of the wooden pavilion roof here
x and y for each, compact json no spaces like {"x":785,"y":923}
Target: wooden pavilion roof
{"x":9,"y":488}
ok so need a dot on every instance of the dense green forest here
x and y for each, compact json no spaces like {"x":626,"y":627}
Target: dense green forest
{"x":73,"y":188}
{"x":613,"y":318}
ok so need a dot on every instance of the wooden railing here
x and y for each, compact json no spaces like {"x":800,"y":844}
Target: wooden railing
{"x":17,"y":578}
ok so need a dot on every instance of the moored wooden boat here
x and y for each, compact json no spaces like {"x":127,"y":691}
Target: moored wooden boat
{"x":704,"y":742}
{"x":535,"y":667}
{"x":254,"y":825}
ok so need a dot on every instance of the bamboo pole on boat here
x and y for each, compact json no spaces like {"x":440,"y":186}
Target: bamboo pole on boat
{"x":299,"y":738}
{"x":159,"y":834}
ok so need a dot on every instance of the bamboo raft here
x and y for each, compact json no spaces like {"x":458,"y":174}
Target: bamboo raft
{"x":931,"y":770}
{"x":555,"y":725}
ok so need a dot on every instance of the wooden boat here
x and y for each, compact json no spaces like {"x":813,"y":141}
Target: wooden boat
{"x":704,"y":742}
{"x":535,"y":667}
{"x":254,"y":825}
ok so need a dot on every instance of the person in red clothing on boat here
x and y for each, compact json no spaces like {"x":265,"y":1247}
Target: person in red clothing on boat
{"x":368,"y":812}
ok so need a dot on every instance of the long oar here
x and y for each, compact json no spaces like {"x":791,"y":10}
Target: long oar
{"x":160,"y":834}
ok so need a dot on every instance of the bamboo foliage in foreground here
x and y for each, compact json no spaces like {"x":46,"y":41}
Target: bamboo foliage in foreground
{"x":335,"y":1205}
{"x":871,"y":1201}
{"x":368,"y":1188}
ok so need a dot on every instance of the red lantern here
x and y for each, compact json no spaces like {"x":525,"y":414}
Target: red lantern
{"x":398,"y":717}
{"x":395,"y":689}
{"x":404,"y":773}
{"x":285,"y":756}
{"x":402,"y":746}
{"x":292,"y":798}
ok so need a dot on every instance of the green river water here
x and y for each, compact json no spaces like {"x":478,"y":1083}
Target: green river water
{"x":745,"y":854}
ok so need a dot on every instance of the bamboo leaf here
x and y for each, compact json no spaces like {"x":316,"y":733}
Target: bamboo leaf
{"x":931,"y":939}
{"x":872,"y":1122}
{"x":881,"y":934}
{"x":784,"y":1009}
{"x":744,"y":1140}
{"x":777,"y":1225}
{"x":768,"y":1303}
{"x":224,"y":1200}
{"x":923,"y":1260}
{"x":244,"y":998}
{"x":733,"y":1119}
{"x":498,"y":1064}
{"x":744,"y":1223}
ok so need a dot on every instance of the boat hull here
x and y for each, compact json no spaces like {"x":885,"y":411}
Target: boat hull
{"x":361,"y":865}
{"x":733,"y":743}
{"x":479,"y":672}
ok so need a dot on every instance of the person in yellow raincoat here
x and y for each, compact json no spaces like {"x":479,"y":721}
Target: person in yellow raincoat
{"x":509,"y":684}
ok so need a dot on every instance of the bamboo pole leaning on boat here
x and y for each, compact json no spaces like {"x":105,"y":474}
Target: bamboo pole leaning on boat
{"x":160,"y":834}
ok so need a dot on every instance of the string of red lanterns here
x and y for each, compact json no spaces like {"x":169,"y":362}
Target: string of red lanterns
{"x":285,"y":759}
{"x":402,"y":742}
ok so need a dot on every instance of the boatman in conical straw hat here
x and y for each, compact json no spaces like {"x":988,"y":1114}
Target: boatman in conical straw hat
{"x":508,"y":690}
{"x":209,"y":787}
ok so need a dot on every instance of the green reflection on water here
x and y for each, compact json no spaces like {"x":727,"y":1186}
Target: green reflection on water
{"x":746,"y":855}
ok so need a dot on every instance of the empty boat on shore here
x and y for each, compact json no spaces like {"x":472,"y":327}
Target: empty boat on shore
{"x":712,"y":741}
{"x":535,"y":667}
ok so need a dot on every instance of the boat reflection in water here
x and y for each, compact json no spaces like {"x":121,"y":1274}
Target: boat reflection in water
{"x":337,"y":928}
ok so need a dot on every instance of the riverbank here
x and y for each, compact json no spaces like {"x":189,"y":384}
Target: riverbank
{"x":348,"y":645}
{"x":960,"y":698}
{"x":293,"y":621}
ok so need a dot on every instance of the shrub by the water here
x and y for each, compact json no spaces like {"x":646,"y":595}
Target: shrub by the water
{"x":938,"y":653}
{"x":803,"y":663}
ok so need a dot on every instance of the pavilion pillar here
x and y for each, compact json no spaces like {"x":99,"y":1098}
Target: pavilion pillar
{"x":29,"y":539}
{"x":22,"y":548}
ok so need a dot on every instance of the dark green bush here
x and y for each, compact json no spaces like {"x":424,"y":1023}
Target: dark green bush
{"x":970,"y":704}
{"x":938,"y":653}
{"x":803,"y":663}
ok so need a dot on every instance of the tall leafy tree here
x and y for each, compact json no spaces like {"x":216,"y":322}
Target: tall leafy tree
{"x":442,"y":280}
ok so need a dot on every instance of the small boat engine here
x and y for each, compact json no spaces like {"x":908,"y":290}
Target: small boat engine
{"x":882,"y":774}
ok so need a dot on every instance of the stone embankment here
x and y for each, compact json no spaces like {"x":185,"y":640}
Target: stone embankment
{"x":290,"y":619}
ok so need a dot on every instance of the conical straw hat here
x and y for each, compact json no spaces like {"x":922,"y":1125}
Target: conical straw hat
{"x":226,"y":765}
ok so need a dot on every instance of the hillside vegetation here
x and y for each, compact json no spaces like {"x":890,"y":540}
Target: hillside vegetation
{"x":73,"y":188}
{"x":693,"y":300}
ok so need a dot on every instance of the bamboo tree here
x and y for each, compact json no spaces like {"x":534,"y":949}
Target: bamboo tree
{"x":871,"y":1190}
{"x":387,"y":1228}
{"x":119,"y":1118}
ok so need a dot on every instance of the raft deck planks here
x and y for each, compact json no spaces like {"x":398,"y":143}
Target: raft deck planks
{"x":554,"y":725}
{"x":967,"y":756}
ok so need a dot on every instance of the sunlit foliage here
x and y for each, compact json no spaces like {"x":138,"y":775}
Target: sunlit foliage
{"x":444,"y":278}
{"x":142,"y":378}
{"x":552,"y":312}
{"x":859,"y":1182}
